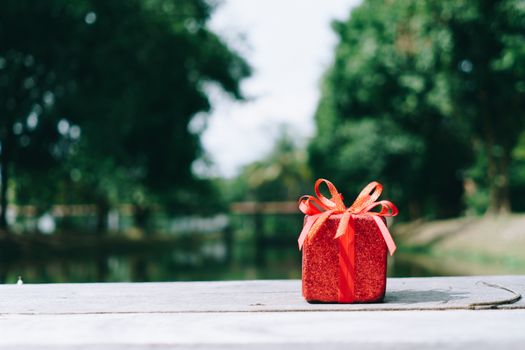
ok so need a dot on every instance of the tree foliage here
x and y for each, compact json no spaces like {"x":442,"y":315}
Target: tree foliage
{"x":282,"y":175}
{"x":398,"y":102}
{"x":103,"y":92}
{"x":487,"y":83}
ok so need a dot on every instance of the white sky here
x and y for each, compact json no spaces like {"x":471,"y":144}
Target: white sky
{"x":289,"y":44}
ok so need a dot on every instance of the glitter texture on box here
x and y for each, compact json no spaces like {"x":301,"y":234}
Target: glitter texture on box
{"x":345,"y":249}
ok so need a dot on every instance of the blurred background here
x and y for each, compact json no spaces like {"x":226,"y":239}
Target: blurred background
{"x":165,"y":140}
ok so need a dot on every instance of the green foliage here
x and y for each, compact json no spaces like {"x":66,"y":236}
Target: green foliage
{"x":487,"y":68}
{"x":100,"y":94}
{"x":283,"y":175}
{"x":383,"y":113}
{"x":155,"y":90}
{"x":413,"y":97}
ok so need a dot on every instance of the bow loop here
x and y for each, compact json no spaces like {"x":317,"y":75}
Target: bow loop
{"x":321,"y":208}
{"x":310,"y":205}
{"x":366,"y":197}
{"x":387,"y":208}
{"x":336,"y":202}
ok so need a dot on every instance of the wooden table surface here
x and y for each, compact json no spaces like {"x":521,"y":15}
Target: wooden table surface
{"x":481,"y":312}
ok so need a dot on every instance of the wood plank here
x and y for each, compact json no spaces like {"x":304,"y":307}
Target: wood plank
{"x":418,"y":313}
{"x":457,"y":329}
{"x":439,"y":293}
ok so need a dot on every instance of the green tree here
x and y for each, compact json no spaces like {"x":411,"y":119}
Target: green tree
{"x":31,"y":74}
{"x":122,"y":80}
{"x":385,"y":110}
{"x":155,"y":90}
{"x":487,"y":82}
{"x":282,"y":175}
{"x":422,"y":95}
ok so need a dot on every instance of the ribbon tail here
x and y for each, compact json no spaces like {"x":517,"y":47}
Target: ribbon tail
{"x":386,"y":234}
{"x":309,"y":221}
{"x":343,"y":225}
{"x":346,"y":242}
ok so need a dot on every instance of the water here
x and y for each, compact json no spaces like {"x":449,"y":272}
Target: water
{"x":89,"y":259}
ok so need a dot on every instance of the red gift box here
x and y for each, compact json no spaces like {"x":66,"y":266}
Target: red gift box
{"x":345,"y":249}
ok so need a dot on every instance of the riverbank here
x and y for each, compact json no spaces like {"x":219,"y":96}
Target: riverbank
{"x":462,"y":246}
{"x":466,"y":246}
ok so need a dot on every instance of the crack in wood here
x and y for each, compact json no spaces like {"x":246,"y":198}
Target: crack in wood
{"x":494,"y":304}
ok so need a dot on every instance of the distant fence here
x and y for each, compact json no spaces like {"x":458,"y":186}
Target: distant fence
{"x":256,"y":215}
{"x":61,"y":210}
{"x":264,"y":208}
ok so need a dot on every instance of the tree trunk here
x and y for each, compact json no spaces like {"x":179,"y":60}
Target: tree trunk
{"x":3,"y":193}
{"x":497,"y":171}
{"x":141,"y":217}
{"x":5,"y":160}
{"x":414,"y":209}
{"x":493,"y":172}
{"x":498,"y":180}
{"x":102,"y":216}
{"x":493,"y":205}
{"x":503,"y":183}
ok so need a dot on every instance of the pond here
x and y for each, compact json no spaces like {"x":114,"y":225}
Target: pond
{"x":47,"y":259}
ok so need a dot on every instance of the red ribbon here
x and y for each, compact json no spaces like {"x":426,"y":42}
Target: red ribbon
{"x":319,"y":209}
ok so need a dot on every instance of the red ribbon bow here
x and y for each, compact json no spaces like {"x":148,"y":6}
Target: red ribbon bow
{"x":319,"y":209}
